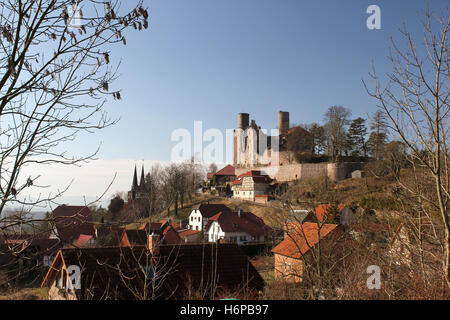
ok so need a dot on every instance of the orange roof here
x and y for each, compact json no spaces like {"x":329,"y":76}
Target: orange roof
{"x":322,"y":209}
{"x":82,"y":240}
{"x":300,"y":241}
{"x":188,"y":232}
{"x":228,"y":170}
{"x":174,"y":225}
{"x":158,"y":225}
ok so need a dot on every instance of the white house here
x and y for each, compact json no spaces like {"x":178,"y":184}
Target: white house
{"x":236,"y":227}
{"x":200,"y":215}
{"x":251,"y":185}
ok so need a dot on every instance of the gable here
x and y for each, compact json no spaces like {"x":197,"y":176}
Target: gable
{"x":302,"y":238}
{"x":72,"y":221}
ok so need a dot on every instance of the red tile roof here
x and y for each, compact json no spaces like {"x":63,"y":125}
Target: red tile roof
{"x":230,"y":221}
{"x":210,"y":209}
{"x":322,"y":209}
{"x":151,"y":226}
{"x":168,"y":231}
{"x":299,"y":241}
{"x":71,"y":221}
{"x":188,"y":232}
{"x":173,"y":224}
{"x":82,"y":240}
{"x":228,"y":170}
{"x":258,"y":177}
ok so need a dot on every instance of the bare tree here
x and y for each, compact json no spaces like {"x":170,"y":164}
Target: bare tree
{"x":378,"y":135}
{"x":212,"y":168}
{"x":416,"y":101}
{"x":56,"y":74}
{"x":336,"y":119}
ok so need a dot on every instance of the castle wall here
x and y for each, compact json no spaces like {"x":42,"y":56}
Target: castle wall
{"x":298,"y":171}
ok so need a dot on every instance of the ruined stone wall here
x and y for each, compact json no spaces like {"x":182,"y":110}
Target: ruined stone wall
{"x":298,"y":171}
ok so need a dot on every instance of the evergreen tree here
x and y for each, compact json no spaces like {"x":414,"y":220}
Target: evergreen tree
{"x":356,"y":137}
{"x":115,"y":206}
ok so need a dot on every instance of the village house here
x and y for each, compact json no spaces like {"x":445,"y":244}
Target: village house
{"x":172,"y":272}
{"x":31,"y":254}
{"x":198,"y":218}
{"x":298,"y":243}
{"x":131,"y":238}
{"x":71,"y":222}
{"x":237,"y":227}
{"x":223,"y":176}
{"x":189,"y":235}
{"x":165,"y":231}
{"x":253,"y":186}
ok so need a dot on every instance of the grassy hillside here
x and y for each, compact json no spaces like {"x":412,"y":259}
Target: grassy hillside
{"x":270,"y":214}
{"x":26,"y":294}
{"x":369,"y":192}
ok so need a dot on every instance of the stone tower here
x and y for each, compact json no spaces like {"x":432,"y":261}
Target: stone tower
{"x":243,"y":120}
{"x":283,"y":122}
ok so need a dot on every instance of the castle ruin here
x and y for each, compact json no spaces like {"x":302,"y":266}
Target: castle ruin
{"x":255,"y":150}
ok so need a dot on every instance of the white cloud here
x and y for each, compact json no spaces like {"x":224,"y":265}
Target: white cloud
{"x":88,"y":181}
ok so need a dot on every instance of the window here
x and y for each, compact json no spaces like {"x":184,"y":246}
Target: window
{"x":64,"y":280}
{"x":287,"y":267}
{"x":243,"y":238}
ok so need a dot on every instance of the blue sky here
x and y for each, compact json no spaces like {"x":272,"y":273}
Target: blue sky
{"x":209,"y":60}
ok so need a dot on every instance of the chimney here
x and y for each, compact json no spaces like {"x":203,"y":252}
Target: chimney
{"x":153,"y":244}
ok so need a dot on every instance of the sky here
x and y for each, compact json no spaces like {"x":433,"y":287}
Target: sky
{"x":208,"y":60}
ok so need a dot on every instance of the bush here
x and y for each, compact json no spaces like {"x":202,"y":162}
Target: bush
{"x":379,"y":203}
{"x":308,"y":157}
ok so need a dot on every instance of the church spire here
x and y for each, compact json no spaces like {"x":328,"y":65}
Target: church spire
{"x":142,"y":185}
{"x":135,"y":183}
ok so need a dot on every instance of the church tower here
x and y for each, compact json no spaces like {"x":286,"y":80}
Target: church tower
{"x":138,"y":190}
